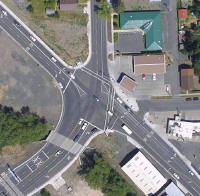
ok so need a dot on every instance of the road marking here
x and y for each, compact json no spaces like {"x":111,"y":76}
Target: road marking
{"x":29,"y":167}
{"x":45,"y":154}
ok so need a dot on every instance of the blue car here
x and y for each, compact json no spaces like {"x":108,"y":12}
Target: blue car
{"x":76,"y":138}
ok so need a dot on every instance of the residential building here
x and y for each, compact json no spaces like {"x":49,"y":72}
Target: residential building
{"x":127,"y":83}
{"x":187,"y":79}
{"x":149,"y":64}
{"x":142,"y":172}
{"x":148,"y":21}
{"x":67,"y":5}
{"x":183,"y":129}
{"x":182,"y":13}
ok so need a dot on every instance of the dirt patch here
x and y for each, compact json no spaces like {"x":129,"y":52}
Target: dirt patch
{"x":141,"y":5}
{"x":80,"y":187}
{"x":66,"y":35}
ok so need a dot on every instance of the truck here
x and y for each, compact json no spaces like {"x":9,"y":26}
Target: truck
{"x":128,"y":131}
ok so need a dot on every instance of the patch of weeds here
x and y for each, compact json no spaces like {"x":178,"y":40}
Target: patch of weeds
{"x":116,"y":37}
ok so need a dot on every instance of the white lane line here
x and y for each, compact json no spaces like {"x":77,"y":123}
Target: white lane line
{"x":45,"y":154}
{"x":29,"y":167}
{"x":114,"y":123}
{"x":106,"y":119}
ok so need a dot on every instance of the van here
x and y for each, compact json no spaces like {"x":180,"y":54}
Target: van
{"x":126,"y":129}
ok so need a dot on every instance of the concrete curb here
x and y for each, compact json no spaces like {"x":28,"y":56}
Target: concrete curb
{"x":47,"y":47}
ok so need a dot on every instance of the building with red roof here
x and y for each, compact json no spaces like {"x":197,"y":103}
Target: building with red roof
{"x":182,"y":13}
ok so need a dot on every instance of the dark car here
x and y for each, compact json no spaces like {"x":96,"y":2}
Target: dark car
{"x":127,"y":108}
{"x":195,"y":98}
{"x":76,"y":138}
{"x":94,"y":130}
{"x":188,"y":99}
{"x":16,"y":23}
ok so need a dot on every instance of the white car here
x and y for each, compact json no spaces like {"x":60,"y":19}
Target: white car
{"x":176,"y":176}
{"x":80,"y":122}
{"x":190,"y":172}
{"x":60,"y":85}
{"x":119,"y":100}
{"x":4,"y":13}
{"x":32,"y":38}
{"x":58,"y":152}
{"x":53,"y":59}
{"x":84,"y":126}
{"x":154,"y":76}
{"x":72,"y":76}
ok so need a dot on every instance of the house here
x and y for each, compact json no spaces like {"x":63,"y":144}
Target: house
{"x":151,"y":64}
{"x":67,"y":5}
{"x":142,"y":172}
{"x":127,"y":83}
{"x":182,"y":13}
{"x":187,"y":79}
{"x":148,"y":21}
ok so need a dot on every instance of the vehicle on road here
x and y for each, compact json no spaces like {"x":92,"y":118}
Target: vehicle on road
{"x":195,"y":98}
{"x":95,"y":97}
{"x":76,"y":138}
{"x":84,"y":126}
{"x":126,"y":129}
{"x":176,"y":176}
{"x":53,"y":59}
{"x":127,"y":108}
{"x":188,"y":99}
{"x":154,"y":76}
{"x":69,"y":188}
{"x":4,"y":13}
{"x":16,"y":24}
{"x":110,"y":113}
{"x":119,"y":100}
{"x":94,"y":130}
{"x":80,"y":121}
{"x":72,"y":76}
{"x":58,"y":152}
{"x":190,"y":172}
{"x":32,"y":38}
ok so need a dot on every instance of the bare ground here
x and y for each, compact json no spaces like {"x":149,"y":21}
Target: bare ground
{"x":66,"y":35}
{"x":80,"y":187}
{"x":141,"y":5}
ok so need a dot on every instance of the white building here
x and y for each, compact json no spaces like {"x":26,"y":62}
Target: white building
{"x":141,"y":171}
{"x":182,"y":129}
{"x":173,"y":190}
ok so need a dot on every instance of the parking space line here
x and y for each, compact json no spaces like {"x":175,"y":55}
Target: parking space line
{"x":29,"y":167}
{"x":45,"y":154}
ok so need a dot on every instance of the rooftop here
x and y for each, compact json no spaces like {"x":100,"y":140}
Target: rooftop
{"x":149,"y":64}
{"x":128,"y":83}
{"x":182,"y":13}
{"x":141,"y":171}
{"x":150,"y":22}
{"x":68,"y":4}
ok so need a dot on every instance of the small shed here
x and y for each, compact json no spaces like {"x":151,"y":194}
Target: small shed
{"x":50,"y":11}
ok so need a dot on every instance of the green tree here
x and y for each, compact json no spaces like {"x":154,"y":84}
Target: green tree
{"x":195,"y":8}
{"x":20,"y":127}
{"x":44,"y":192}
{"x":118,"y":6}
{"x":104,"y":10}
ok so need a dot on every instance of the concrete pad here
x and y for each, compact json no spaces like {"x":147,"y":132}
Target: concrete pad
{"x":57,"y":183}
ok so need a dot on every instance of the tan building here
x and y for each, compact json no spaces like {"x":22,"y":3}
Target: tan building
{"x":187,"y":79}
{"x":128,"y":83}
{"x":67,"y":5}
{"x":153,"y":64}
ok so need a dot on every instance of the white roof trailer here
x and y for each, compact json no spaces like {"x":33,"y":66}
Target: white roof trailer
{"x":126,"y":129}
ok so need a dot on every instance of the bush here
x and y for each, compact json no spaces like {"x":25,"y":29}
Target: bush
{"x":99,"y":175}
{"x":20,"y":127}
{"x":44,"y":192}
{"x":116,"y":37}
{"x":29,"y":8}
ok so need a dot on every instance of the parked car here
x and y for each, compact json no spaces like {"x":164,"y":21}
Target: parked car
{"x":95,"y":97}
{"x":119,"y":100}
{"x":32,"y":38}
{"x":188,"y":99}
{"x":58,"y":152}
{"x":76,"y":138}
{"x":94,"y":130}
{"x":154,"y":76}
{"x":16,"y":23}
{"x":84,"y":126}
{"x":4,"y":13}
{"x":195,"y":98}
{"x":176,"y":176}
{"x":127,"y":108}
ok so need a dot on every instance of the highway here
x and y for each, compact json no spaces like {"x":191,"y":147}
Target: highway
{"x":79,"y":102}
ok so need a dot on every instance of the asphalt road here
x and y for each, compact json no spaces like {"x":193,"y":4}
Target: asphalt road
{"x":79,"y":102}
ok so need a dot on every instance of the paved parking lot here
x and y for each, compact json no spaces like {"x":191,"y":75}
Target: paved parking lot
{"x":131,"y":42}
{"x":145,"y":88}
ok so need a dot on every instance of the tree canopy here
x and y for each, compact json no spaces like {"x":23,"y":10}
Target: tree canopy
{"x":44,"y":192}
{"x":20,"y":127}
{"x":99,"y":175}
{"x":195,"y":8}
{"x":104,"y":10}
